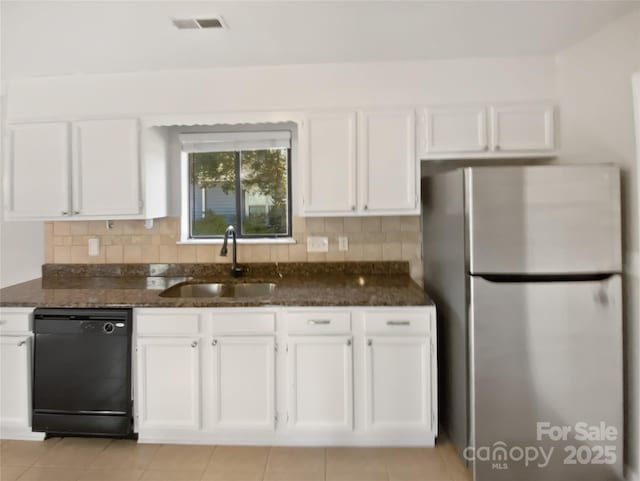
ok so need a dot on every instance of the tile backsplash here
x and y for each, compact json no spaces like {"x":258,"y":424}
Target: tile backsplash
{"x":128,"y":241}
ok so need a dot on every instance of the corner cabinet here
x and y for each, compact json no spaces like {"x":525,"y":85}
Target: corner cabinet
{"x":360,"y":163}
{"x":487,"y":131}
{"x":88,"y":169}
{"x":348,"y":376}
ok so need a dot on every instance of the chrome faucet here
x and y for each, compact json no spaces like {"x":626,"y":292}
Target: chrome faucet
{"x":236,"y":270}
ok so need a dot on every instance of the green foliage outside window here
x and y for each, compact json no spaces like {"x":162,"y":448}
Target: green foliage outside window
{"x":258,"y":179}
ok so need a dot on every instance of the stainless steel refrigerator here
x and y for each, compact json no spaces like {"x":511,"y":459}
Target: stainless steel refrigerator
{"x":524,"y":265}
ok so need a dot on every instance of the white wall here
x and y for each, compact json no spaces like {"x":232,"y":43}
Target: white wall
{"x":285,"y":87}
{"x":597,"y":125}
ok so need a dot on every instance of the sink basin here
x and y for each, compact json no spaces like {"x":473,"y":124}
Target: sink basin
{"x":217,"y":289}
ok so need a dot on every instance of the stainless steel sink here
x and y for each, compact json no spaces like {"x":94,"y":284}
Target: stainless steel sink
{"x":217,"y":289}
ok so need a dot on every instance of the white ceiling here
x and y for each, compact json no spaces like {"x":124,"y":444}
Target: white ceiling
{"x":64,"y":37}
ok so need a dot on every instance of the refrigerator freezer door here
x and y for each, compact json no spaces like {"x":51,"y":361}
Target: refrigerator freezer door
{"x":543,"y":219}
{"x":547,"y":353}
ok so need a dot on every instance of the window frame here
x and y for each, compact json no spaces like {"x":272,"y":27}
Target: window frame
{"x":186,"y":214}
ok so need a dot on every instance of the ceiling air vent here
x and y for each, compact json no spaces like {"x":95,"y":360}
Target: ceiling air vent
{"x":198,"y":23}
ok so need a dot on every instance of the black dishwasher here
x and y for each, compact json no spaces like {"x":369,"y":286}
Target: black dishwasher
{"x":82,"y":372}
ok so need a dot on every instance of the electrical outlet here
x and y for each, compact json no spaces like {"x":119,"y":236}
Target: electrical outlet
{"x":343,"y":243}
{"x":317,"y":244}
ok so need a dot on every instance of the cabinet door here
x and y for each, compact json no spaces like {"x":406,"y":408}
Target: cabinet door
{"x":320,"y":383}
{"x":168,"y":383}
{"x":244,"y":389}
{"x":37,"y":170}
{"x":451,"y":130}
{"x":106,"y":168}
{"x":527,"y":127}
{"x":399,"y":383}
{"x":330,"y":163}
{"x":15,"y":375}
{"x":388,"y":166}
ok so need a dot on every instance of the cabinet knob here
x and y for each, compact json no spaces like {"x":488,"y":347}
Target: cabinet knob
{"x":497,"y":147}
{"x":64,"y":212}
{"x":22,"y":343}
{"x":366,"y":207}
{"x":76,"y":212}
{"x":353,"y":207}
{"x":369,"y":342}
{"x":194,"y":344}
{"x":348,"y":342}
{"x":214,"y":342}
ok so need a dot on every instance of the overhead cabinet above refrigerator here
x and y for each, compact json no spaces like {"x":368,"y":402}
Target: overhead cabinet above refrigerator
{"x":487,"y":131}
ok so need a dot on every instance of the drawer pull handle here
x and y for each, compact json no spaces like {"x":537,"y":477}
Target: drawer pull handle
{"x":317,"y":322}
{"x":194,"y":344}
{"x":398,"y":323}
{"x":22,"y":343}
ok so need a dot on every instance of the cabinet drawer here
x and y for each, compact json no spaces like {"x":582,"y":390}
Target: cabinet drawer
{"x":247,"y":322}
{"x":398,"y":322}
{"x":16,"y":320}
{"x":170,"y":323}
{"x":319,"y":322}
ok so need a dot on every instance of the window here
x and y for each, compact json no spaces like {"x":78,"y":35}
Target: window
{"x":240,"y":179}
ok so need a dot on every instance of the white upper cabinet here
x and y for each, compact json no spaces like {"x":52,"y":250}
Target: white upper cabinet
{"x":360,"y":163}
{"x":387,"y":161}
{"x":455,"y":129}
{"x":330,"y":163}
{"x":90,"y":169}
{"x":37,"y":170}
{"x":522,"y":128}
{"x":487,"y":131}
{"x":106,"y":168}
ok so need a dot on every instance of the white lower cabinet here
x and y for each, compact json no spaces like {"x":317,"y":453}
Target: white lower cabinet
{"x":320,"y":394}
{"x":399,"y":383}
{"x":290,"y":376}
{"x":244,"y":382}
{"x":16,"y":354}
{"x":15,"y":362}
{"x":168,"y":380}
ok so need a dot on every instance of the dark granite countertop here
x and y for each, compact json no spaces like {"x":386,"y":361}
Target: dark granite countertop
{"x":140,"y":285}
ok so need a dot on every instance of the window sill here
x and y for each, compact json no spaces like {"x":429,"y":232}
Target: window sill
{"x":280,"y":240}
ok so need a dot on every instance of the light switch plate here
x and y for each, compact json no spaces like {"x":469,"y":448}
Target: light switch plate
{"x":94,"y":247}
{"x":317,"y":244}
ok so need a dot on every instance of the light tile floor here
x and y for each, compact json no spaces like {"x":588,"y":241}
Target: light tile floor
{"x":84,"y":459}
